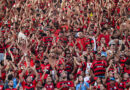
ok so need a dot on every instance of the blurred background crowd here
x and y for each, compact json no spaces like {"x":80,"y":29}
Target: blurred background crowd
{"x":64,"y":45}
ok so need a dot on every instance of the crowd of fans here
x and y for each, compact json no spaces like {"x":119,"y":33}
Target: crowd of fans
{"x":64,"y":45}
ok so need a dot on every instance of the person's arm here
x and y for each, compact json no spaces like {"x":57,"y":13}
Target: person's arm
{"x":75,"y":60}
{"x":106,"y":73}
{"x":22,"y":58}
{"x":91,"y":73}
{"x":86,"y":85}
{"x":88,"y":27}
{"x":43,"y":75}
{"x":81,"y":47}
{"x":18,"y":85}
{"x":35,"y":72}
{"x":15,"y":68}
{"x":11,"y":53}
{"x":97,"y":34}
{"x":5,"y":58}
{"x":56,"y":76}
{"x":74,"y":69}
{"x":21,"y":75}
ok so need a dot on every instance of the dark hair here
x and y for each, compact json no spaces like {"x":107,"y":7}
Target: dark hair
{"x":103,"y":29}
{"x":86,"y":58}
{"x":10,"y":77}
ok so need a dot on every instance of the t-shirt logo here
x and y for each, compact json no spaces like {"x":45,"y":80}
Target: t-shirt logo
{"x":114,"y":87}
{"x":51,"y":86}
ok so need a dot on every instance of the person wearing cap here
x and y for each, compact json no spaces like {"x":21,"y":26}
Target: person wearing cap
{"x":81,"y":84}
{"x":125,"y":83}
{"x":112,"y":85}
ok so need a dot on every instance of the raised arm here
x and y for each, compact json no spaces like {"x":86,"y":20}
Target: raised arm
{"x":75,"y":60}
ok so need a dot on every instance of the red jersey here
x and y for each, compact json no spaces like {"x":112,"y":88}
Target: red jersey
{"x":29,"y":86}
{"x":99,"y":67}
{"x":48,"y":40}
{"x":1,"y":87}
{"x":126,"y":70}
{"x":115,"y":87}
{"x":123,"y":83}
{"x":49,"y":87}
{"x":63,"y":83}
{"x":105,"y":36}
{"x":82,"y":40}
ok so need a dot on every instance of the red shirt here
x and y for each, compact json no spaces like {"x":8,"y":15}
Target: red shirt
{"x":63,"y":83}
{"x":49,"y":87}
{"x":115,"y":87}
{"x":47,"y":67}
{"x":126,"y":70}
{"x":82,"y":40}
{"x":1,"y":87}
{"x":29,"y":86}
{"x":105,"y":36}
{"x":89,"y":41}
{"x":99,"y":67}
{"x":48,"y":40}
{"x":123,"y":83}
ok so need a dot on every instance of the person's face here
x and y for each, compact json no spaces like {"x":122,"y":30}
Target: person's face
{"x":80,"y":78}
{"x":116,"y":59}
{"x":88,"y":58}
{"x":37,"y":64}
{"x":40,"y":49}
{"x":91,"y":33}
{"x":15,"y":51}
{"x":46,"y":61}
{"x":63,"y":74}
{"x":11,"y":83}
{"x":104,"y":31}
{"x":68,"y":55}
{"x":70,"y":38}
{"x":49,"y":79}
{"x":61,"y":67}
{"x":67,"y":52}
{"x":88,"y":48}
{"x":103,"y":40}
{"x":127,"y":66}
{"x":61,"y":34}
{"x":102,"y":87}
{"x":47,"y":32}
{"x":112,"y":82}
{"x":71,"y":76}
{"x":98,"y":57}
{"x":103,"y":57}
{"x":98,"y":80}
{"x":111,"y":74}
{"x":103,"y":80}
{"x":20,"y":88}
{"x":113,"y":46}
{"x":29,"y":79}
{"x":126,"y":75}
{"x":80,"y":34}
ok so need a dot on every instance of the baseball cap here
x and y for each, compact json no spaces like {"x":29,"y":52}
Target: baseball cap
{"x":104,"y":54}
{"x":112,"y":79}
